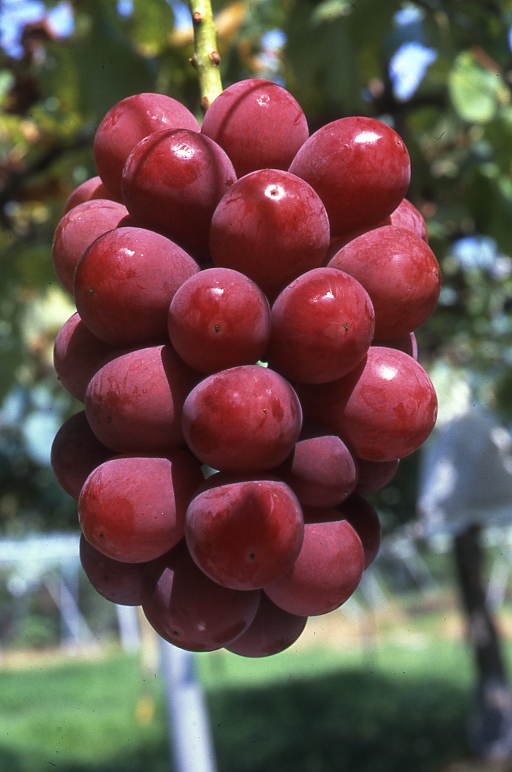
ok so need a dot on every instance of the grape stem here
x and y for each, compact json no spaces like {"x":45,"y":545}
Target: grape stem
{"x":206,"y":58}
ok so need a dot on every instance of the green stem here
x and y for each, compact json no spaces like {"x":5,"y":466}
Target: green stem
{"x":206,"y":58}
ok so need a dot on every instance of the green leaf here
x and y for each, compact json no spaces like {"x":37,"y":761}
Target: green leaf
{"x":330,"y":10}
{"x":151,"y":24}
{"x":475,"y":92}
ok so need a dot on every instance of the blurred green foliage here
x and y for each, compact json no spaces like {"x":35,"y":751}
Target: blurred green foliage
{"x":337,"y":58}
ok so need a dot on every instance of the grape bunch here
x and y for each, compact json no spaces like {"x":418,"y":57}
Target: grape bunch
{"x":243,"y":344}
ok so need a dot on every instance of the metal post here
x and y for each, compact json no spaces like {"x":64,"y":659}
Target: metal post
{"x":189,"y":726}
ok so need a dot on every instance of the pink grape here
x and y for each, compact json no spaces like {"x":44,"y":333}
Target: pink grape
{"x":406,"y":343}
{"x":179,"y":203}
{"x":321,"y":326}
{"x":132,"y":508}
{"x":359,"y":167}
{"x":116,"y":581}
{"x":124,"y":283}
{"x":271,"y":226}
{"x":75,"y":452}
{"x":383,"y":410}
{"x":219,"y":319}
{"x":364,"y":519}
{"x":129,"y":121}
{"x":190,"y":611}
{"x":77,"y":229}
{"x":328,"y":569}
{"x":320,"y":470}
{"x":400,"y":273}
{"x":135,"y":401}
{"x":87,"y":191}
{"x":272,"y":631}
{"x":407,"y":216}
{"x":244,"y":419}
{"x":77,"y":355}
{"x":245,"y":533}
{"x":258,"y":123}
{"x":374,"y":475}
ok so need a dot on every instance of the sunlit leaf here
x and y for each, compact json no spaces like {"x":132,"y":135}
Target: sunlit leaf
{"x":151,"y":24}
{"x":474,"y":91}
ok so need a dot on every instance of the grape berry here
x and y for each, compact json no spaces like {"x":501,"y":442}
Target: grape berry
{"x":247,"y":296}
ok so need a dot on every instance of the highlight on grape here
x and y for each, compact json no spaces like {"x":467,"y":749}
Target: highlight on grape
{"x":243,"y":346}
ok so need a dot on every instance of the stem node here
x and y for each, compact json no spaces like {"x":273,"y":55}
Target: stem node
{"x":206,"y":58}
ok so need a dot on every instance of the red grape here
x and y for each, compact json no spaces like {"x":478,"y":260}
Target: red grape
{"x":124,"y":284}
{"x":134,"y":402}
{"x":384,"y":409}
{"x":87,"y":191}
{"x":320,"y":470}
{"x":77,"y":229}
{"x":271,"y":226}
{"x":75,"y":452}
{"x":359,"y":167}
{"x":322,"y":326}
{"x":178,"y":202}
{"x":244,"y":419}
{"x":408,"y":217}
{"x":406,"y":343}
{"x":364,"y":519}
{"x":116,"y":581}
{"x":400,"y":273}
{"x":328,"y":569}
{"x":129,"y":121}
{"x":132,"y":508}
{"x":258,"y":123}
{"x":272,"y":630}
{"x":219,"y":319}
{"x":245,"y":533}
{"x":77,"y":355}
{"x":244,"y":345}
{"x":190,"y":611}
{"x":374,"y":475}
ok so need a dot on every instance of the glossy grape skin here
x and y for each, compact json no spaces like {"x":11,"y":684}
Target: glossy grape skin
{"x":219,"y":319}
{"x":178,"y":202}
{"x":258,"y":123}
{"x":190,"y":611}
{"x":328,"y":569}
{"x":77,"y":355}
{"x":132,"y":508}
{"x":374,"y":475}
{"x":383,"y":410}
{"x":114,"y":580}
{"x":88,"y":190}
{"x":128,"y":122}
{"x":272,"y":631}
{"x":359,"y":167}
{"x":406,"y":343}
{"x":246,"y":533}
{"x":400,"y":273}
{"x":244,"y":419}
{"x":75,"y":452}
{"x":320,"y":470}
{"x":124,"y":283}
{"x":271,"y":226}
{"x":321,"y":326}
{"x":364,"y":519}
{"x":134,"y":402}
{"x":76,"y":231}
{"x":407,"y":216}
